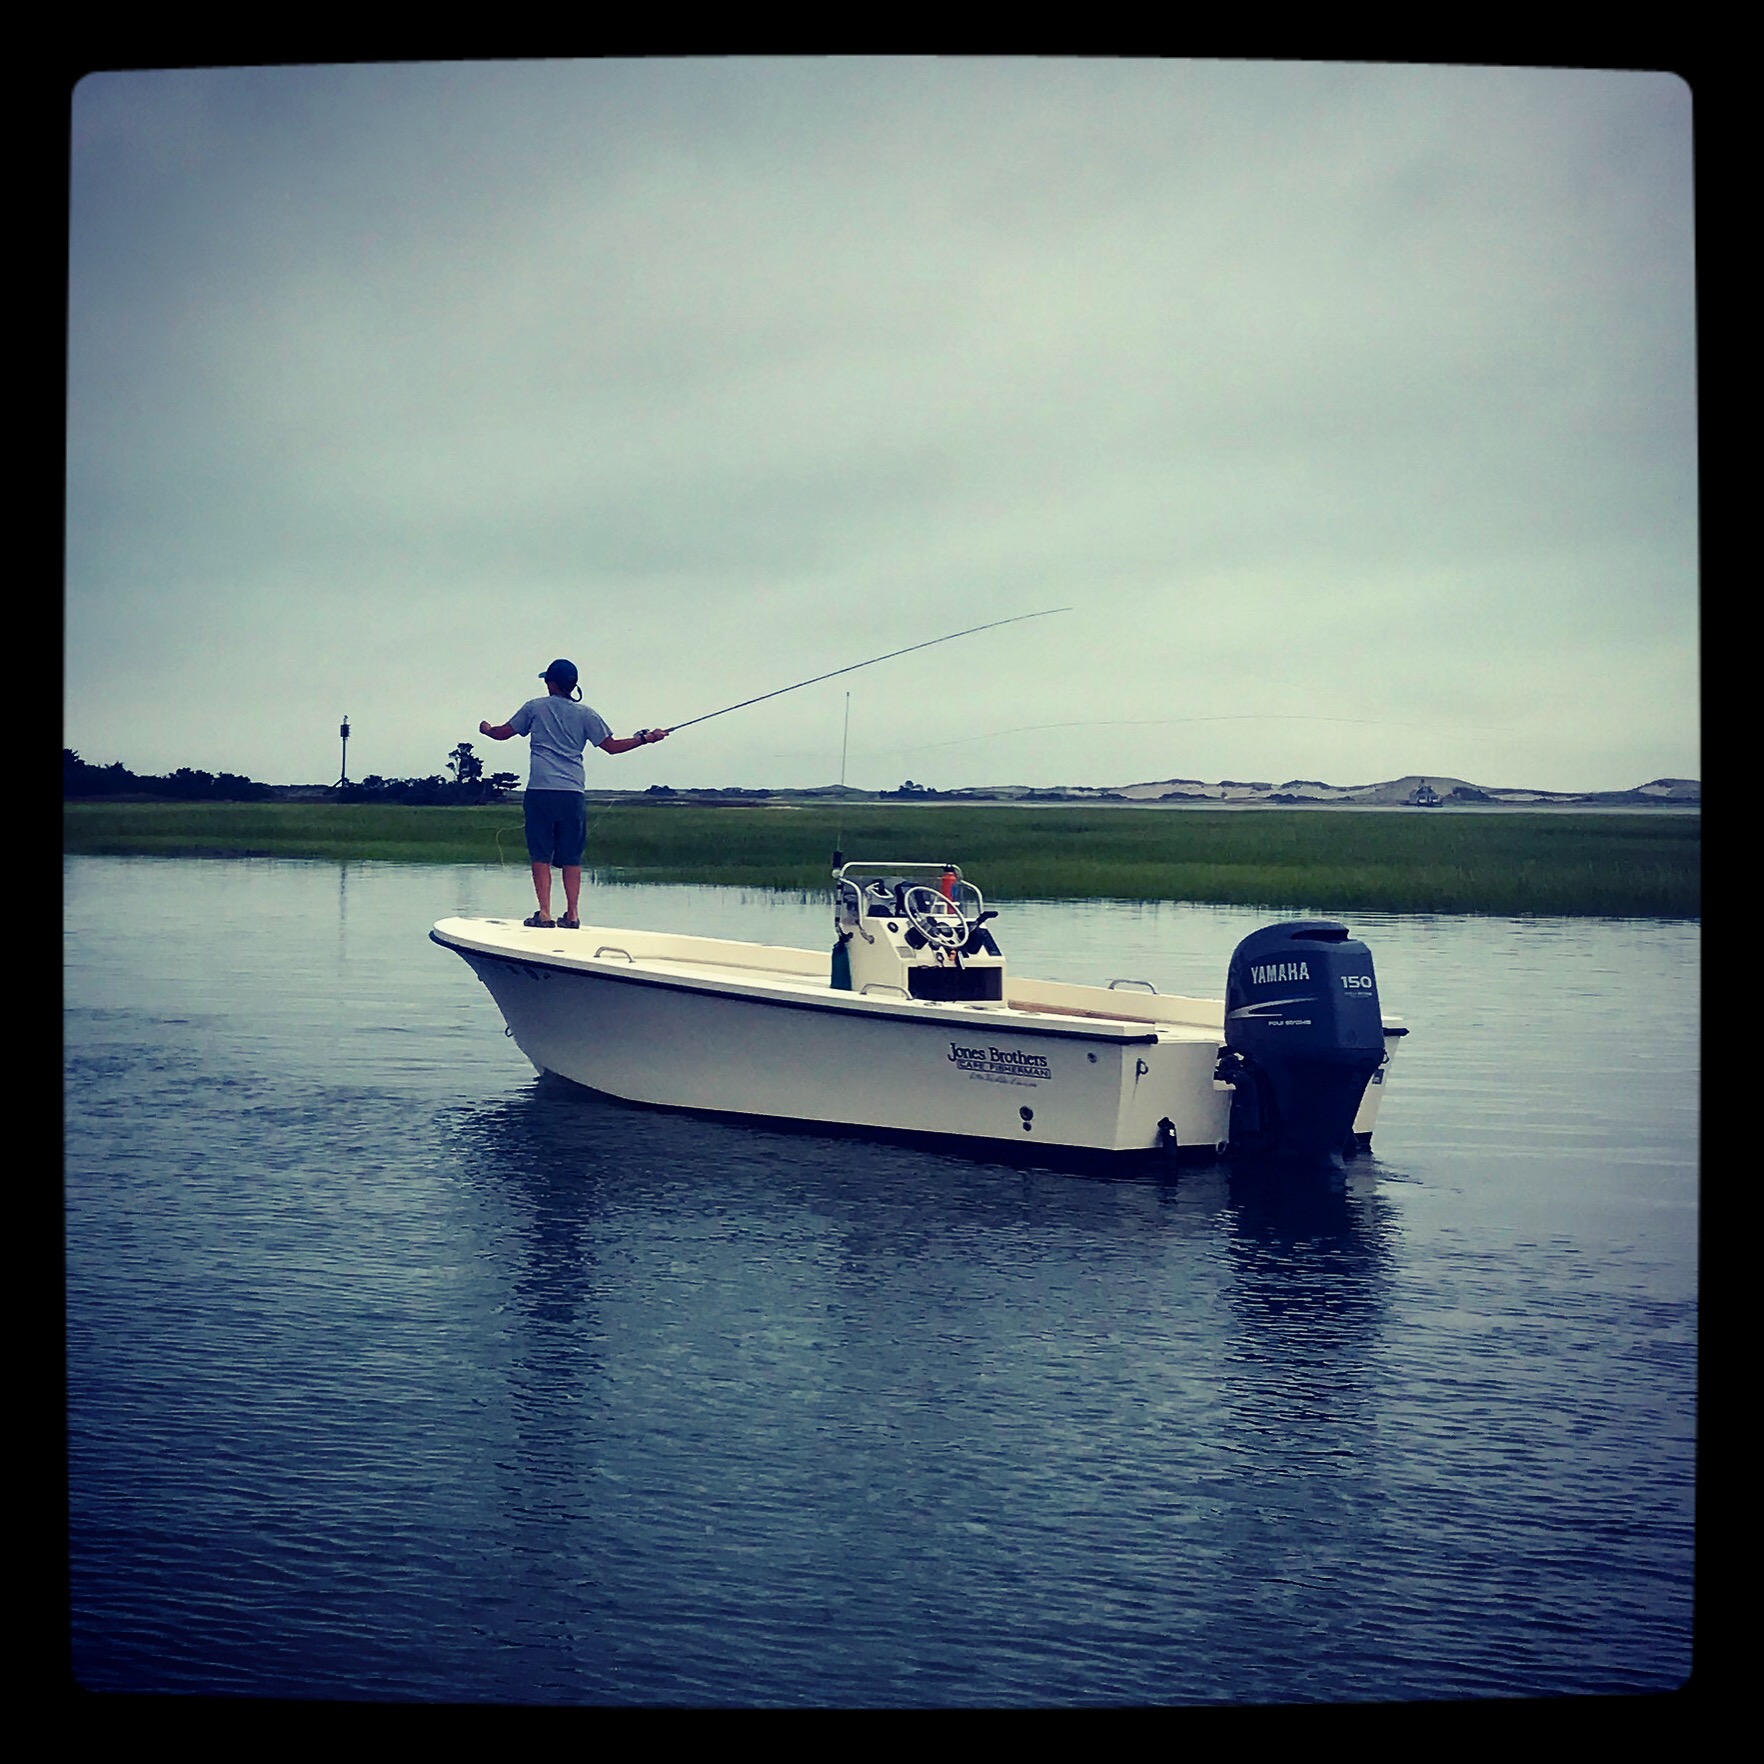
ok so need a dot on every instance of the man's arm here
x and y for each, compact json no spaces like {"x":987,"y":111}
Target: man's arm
{"x":624,"y":743}
{"x":502,"y":731}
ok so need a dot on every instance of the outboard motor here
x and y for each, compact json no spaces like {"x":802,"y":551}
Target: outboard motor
{"x":1303,"y":1035}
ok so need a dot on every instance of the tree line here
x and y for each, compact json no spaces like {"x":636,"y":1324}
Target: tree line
{"x":79,"y":778}
{"x":468,"y":783}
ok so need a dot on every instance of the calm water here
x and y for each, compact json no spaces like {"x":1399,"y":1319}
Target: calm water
{"x":395,"y":1372}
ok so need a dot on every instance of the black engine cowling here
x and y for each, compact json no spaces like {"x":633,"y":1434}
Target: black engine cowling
{"x":1303,"y":1035}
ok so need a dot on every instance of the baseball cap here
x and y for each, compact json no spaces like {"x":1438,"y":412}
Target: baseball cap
{"x":561,"y":671}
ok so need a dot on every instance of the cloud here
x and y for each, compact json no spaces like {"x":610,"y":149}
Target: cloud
{"x":1306,"y":386}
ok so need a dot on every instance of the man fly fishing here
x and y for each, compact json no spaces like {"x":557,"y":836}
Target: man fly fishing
{"x":561,"y":727}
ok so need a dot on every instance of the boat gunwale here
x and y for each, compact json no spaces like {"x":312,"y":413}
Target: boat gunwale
{"x":1077,"y":1021}
{"x":1130,"y":1031}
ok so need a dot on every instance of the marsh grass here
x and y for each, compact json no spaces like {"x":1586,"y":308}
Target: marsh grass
{"x":1334,"y":860}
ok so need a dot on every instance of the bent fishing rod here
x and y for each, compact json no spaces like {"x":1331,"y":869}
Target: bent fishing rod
{"x":930,"y":643}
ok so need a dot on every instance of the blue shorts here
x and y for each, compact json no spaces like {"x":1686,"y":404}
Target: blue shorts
{"x":557,"y":827}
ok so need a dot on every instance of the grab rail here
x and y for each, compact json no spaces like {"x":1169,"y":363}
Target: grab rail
{"x":1145,"y":983}
{"x":613,"y":949}
{"x":877,"y":867}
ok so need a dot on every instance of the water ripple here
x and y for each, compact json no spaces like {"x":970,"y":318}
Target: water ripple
{"x":396,"y":1374}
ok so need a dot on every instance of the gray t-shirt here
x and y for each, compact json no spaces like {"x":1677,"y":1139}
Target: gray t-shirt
{"x":561,"y":728}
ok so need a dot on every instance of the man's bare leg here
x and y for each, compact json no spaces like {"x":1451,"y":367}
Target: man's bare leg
{"x":542,"y":887}
{"x":572,"y":878}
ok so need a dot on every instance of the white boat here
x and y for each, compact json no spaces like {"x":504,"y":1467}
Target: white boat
{"x":913,"y":1025}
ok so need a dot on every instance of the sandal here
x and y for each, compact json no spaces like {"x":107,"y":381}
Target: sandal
{"x":566,"y":923}
{"x":540,"y":924}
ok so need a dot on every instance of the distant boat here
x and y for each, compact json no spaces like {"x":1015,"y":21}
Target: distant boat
{"x":912,"y":1027}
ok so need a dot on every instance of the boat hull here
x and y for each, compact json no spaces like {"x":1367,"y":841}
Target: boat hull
{"x":759,"y":1032}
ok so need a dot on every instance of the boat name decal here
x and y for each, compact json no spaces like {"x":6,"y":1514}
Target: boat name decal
{"x":1000,"y":1062}
{"x":1277,"y":973}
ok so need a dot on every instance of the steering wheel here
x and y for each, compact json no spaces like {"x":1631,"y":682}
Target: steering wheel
{"x":938,"y":920}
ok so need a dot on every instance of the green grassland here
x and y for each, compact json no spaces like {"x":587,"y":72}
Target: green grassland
{"x":1335,"y":860}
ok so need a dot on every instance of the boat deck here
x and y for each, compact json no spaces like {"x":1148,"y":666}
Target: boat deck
{"x":721,"y":964}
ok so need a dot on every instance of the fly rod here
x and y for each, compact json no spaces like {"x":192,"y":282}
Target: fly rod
{"x":930,"y":643}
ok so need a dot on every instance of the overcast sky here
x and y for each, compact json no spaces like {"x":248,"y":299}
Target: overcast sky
{"x":1350,"y":409}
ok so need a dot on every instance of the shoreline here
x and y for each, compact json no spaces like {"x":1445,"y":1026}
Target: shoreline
{"x":1548,"y":861}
